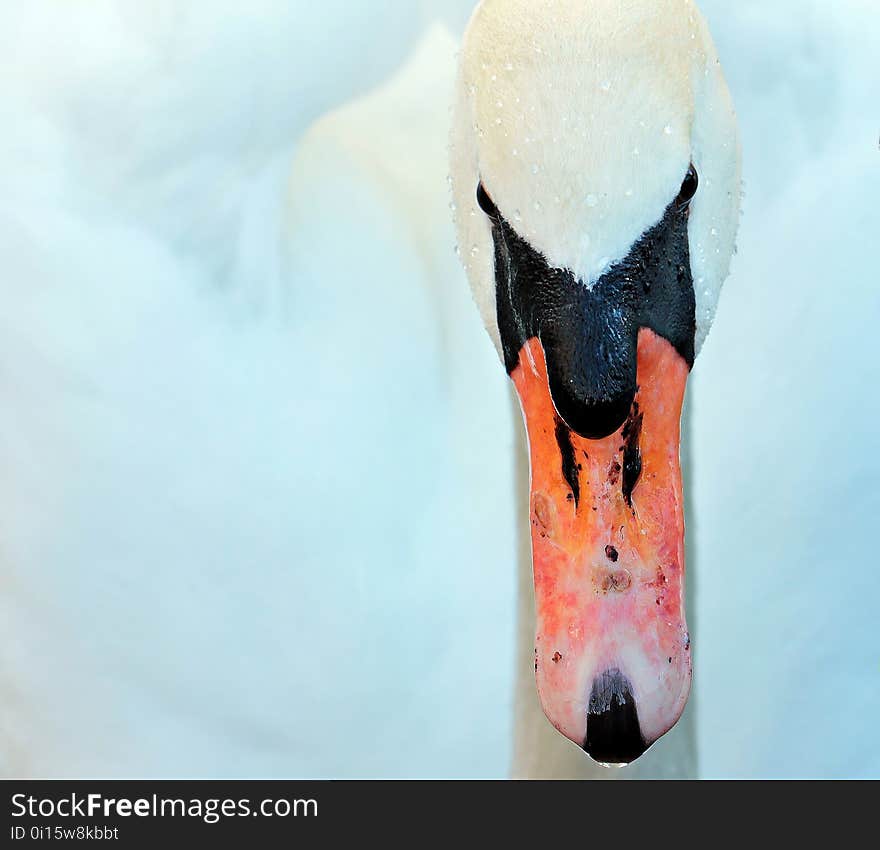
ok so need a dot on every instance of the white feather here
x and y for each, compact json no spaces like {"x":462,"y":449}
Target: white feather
{"x":581,"y":120}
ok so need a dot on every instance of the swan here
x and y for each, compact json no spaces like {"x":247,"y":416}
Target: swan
{"x":595,"y":171}
{"x":133,"y":553}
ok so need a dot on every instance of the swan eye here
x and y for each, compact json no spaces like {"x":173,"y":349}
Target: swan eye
{"x":485,"y":202}
{"x":688,"y":187}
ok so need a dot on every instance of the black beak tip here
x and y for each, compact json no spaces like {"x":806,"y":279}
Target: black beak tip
{"x":613,"y":732}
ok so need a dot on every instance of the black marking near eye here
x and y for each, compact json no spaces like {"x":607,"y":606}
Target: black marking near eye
{"x":632,"y":454}
{"x":590,"y":336}
{"x":485,"y":202}
{"x":569,"y":462}
{"x":688,"y":187}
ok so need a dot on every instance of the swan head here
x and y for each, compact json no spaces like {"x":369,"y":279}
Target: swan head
{"x":596,"y":179}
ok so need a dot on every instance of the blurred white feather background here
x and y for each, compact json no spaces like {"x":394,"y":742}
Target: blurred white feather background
{"x":257,"y":451}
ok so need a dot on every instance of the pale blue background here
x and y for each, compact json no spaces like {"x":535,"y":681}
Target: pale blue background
{"x":256,"y":453}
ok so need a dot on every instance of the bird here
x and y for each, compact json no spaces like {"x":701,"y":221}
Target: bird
{"x":149,"y":557}
{"x":596,"y":174}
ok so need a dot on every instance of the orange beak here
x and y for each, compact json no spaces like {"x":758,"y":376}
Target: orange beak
{"x":612,"y":651}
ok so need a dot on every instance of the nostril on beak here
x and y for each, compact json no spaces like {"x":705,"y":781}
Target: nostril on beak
{"x":613,"y":732}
